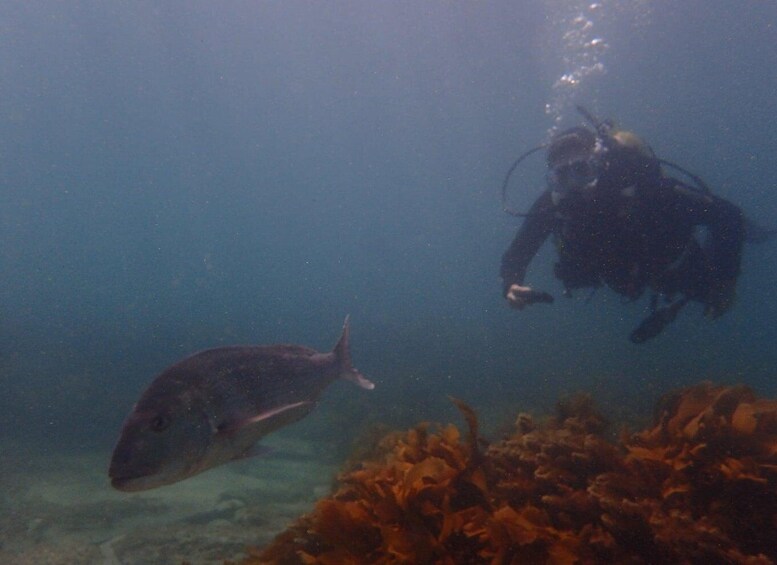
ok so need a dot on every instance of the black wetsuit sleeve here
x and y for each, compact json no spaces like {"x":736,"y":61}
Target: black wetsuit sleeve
{"x":535,"y":229}
{"x":726,"y":225}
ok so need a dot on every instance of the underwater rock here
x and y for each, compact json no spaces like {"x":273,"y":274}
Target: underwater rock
{"x":700,"y":485}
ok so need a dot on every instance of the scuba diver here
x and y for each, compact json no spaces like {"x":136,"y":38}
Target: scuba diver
{"x":618,"y":220}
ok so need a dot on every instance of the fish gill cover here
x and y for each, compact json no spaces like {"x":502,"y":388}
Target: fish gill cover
{"x":698,"y":486}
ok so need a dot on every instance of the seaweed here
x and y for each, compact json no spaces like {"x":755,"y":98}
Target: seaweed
{"x":699,"y":485}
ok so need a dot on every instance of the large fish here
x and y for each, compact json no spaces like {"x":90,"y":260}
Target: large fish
{"x":213,"y":407}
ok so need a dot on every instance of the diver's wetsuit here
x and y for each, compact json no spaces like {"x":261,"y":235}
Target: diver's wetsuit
{"x":633,"y":239}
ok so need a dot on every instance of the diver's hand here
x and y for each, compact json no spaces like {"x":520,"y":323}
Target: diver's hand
{"x":519,"y":297}
{"x":720,"y":298}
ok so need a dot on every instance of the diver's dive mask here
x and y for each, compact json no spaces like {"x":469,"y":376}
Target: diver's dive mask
{"x":576,"y":175}
{"x":578,"y":156}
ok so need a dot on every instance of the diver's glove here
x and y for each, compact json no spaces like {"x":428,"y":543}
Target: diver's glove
{"x":519,"y":297}
{"x":719,"y":298}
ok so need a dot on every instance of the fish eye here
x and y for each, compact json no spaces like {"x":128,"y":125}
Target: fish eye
{"x":160,"y":423}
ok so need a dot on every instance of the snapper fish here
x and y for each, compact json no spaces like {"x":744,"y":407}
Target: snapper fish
{"x":214,"y":406}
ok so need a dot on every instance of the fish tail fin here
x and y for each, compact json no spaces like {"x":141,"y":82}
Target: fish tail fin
{"x":343,"y":354}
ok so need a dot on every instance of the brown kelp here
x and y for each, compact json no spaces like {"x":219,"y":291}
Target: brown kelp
{"x":700,"y":485}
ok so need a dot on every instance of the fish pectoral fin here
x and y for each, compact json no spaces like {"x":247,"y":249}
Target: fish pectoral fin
{"x":230,"y":427}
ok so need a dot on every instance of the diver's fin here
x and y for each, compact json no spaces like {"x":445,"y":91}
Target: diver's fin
{"x":657,"y":321}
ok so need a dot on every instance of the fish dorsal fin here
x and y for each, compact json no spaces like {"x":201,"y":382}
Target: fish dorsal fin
{"x":231,"y":427}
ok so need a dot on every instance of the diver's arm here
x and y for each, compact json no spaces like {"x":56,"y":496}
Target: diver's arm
{"x":531,"y":235}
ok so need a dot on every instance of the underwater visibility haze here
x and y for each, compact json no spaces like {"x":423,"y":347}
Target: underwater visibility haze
{"x":183,"y":176}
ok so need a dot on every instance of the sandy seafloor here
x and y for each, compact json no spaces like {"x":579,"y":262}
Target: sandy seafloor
{"x":59,"y":508}
{"x":57,"y":505}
